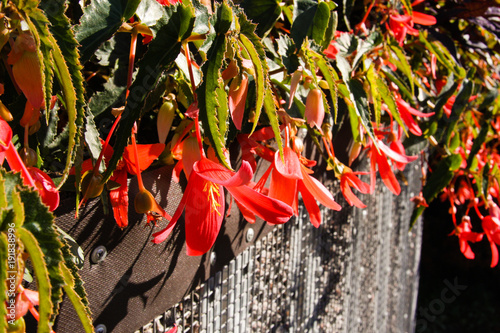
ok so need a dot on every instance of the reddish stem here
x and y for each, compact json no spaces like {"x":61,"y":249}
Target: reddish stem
{"x":190,"y":67}
{"x":131,"y":60}
{"x":137,"y":165}
{"x":17,"y":164}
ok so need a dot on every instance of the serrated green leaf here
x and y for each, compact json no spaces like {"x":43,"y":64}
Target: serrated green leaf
{"x":42,"y":276}
{"x":270,"y":108}
{"x":388,"y":98}
{"x":264,"y":13}
{"x":394,"y":78}
{"x":207,"y":99}
{"x":371,"y":77}
{"x":331,"y":28}
{"x":3,"y":278}
{"x":403,"y":65}
{"x":39,"y":222}
{"x":174,"y":27}
{"x":75,"y":116}
{"x":286,"y":50}
{"x":80,"y":307}
{"x":92,"y":139}
{"x":260,"y":76}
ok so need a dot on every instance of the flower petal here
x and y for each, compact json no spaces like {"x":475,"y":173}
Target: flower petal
{"x":282,"y":188}
{"x":147,"y":154}
{"x":218,"y":174}
{"x":203,"y":217}
{"x":395,"y":156}
{"x":237,"y":97}
{"x":423,"y":19}
{"x":319,"y":191}
{"x":271,"y":210}
{"x":46,"y":188}
{"x":349,"y":195}
{"x":311,"y":205}
{"x":386,"y":173}
{"x":119,"y":199}
{"x":290,"y":168}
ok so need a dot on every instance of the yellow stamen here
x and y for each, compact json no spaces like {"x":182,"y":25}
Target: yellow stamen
{"x":212,"y":190}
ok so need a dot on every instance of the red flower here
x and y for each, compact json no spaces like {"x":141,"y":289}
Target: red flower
{"x":349,"y":179}
{"x":32,"y":176}
{"x":378,"y":157}
{"x":119,"y":196}
{"x":466,"y":235}
{"x":205,"y":204}
{"x":291,"y":177}
{"x":491,"y":228}
{"x":407,"y":111}
{"x":400,"y":25}
{"x":168,"y":2}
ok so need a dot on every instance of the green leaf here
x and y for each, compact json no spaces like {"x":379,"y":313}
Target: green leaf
{"x":329,"y":75}
{"x":81,"y":308}
{"x":207,"y":99}
{"x":75,"y":116}
{"x":264,"y":13}
{"x":100,"y":20}
{"x":479,"y":140}
{"x":442,"y":54}
{"x":441,"y":176}
{"x":270,"y":107}
{"x":304,"y":13}
{"x":66,"y":46}
{"x":260,"y":68}
{"x":360,"y":105}
{"x":40,"y":224}
{"x":42,"y":278}
{"x":92,"y":140}
{"x":461,"y":102}
{"x":371,"y":77}
{"x":174,"y":27}
{"x":3,"y":278}
{"x":388,"y":98}
{"x":320,"y":23}
{"x":403,"y":65}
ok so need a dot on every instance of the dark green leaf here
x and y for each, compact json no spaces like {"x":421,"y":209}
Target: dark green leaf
{"x":100,"y":20}
{"x":212,"y":83}
{"x":304,"y":12}
{"x":264,"y":13}
{"x":441,"y":176}
{"x":461,"y":102}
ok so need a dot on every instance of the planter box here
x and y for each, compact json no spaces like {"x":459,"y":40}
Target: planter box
{"x":358,"y":272}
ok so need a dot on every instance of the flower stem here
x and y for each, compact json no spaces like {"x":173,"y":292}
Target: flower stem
{"x":137,"y":165}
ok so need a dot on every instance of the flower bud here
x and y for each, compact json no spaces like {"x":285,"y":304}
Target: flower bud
{"x":5,"y":113}
{"x":230,"y":71}
{"x":144,"y":202}
{"x":237,"y":98}
{"x":355,"y":150}
{"x":190,"y":154}
{"x":28,"y":156}
{"x":26,"y":69}
{"x":294,"y":82}
{"x":315,"y":109}
{"x":92,"y":185}
{"x":166,"y":116}
{"x":30,"y":115}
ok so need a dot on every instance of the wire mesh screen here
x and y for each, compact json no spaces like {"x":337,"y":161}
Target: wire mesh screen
{"x":357,"y":272}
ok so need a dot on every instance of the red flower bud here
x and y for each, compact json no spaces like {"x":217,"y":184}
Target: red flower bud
{"x":315,"y":109}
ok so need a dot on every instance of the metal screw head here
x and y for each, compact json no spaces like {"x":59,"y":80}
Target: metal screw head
{"x":98,"y":254}
{"x":101,"y":328}
{"x":213,"y":258}
{"x":250,"y":234}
